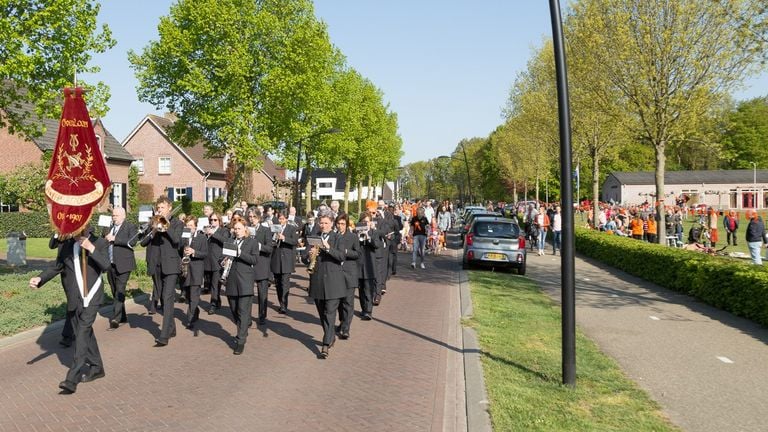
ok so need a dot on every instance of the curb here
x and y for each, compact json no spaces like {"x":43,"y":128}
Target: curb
{"x":478,"y":419}
{"x":37,"y":332}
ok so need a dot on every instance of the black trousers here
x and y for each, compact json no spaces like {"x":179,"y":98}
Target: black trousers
{"x":326,"y":309}
{"x":393,"y":260}
{"x":68,"y":331}
{"x":86,"y":348}
{"x":262,"y":289}
{"x":118,"y":282}
{"x":212,"y":283}
{"x":382,"y":272}
{"x":168,"y":295}
{"x":240,"y":306}
{"x":157,"y":286}
{"x":728,"y":235}
{"x":283,"y":286}
{"x":365,"y":290}
{"x":347,"y":310}
{"x":192,"y":293}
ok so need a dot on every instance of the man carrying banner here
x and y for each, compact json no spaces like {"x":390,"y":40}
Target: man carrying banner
{"x":77,"y":183}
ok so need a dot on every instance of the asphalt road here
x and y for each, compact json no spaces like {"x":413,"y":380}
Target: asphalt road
{"x":707,"y":368}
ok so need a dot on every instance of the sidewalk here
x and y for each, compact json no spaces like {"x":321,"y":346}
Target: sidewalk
{"x":403,"y":371}
{"x":708,"y":369}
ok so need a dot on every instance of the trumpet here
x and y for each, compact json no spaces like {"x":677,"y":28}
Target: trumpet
{"x":363,"y":233}
{"x":185,"y":265}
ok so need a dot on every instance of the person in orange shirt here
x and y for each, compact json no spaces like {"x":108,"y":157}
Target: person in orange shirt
{"x":651,"y":234}
{"x":712,"y":225}
{"x":636,"y":226}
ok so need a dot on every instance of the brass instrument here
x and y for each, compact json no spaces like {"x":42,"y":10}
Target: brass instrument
{"x":313,"y":254}
{"x":159,"y":223}
{"x":185,"y":265}
{"x":363,"y":233}
{"x":226,"y":265}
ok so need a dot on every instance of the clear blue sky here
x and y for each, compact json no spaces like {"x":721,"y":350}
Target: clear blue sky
{"x":445,"y":66}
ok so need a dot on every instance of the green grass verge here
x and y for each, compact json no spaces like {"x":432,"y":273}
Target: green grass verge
{"x":22,"y":308}
{"x":519,"y":331}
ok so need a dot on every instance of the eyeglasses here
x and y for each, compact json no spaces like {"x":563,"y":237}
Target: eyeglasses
{"x":213,"y":220}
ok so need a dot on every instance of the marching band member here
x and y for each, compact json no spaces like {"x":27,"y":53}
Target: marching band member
{"x":327,"y":284}
{"x":283,"y":259}
{"x":122,"y":237}
{"x":366,"y":269}
{"x":217,"y":236}
{"x":240,"y":281}
{"x":261,"y":269}
{"x":382,"y":251}
{"x":350,"y":244}
{"x":85,"y":292}
{"x":164,"y":262}
{"x":194,"y":250}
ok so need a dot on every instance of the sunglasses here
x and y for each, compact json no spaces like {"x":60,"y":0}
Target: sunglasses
{"x":213,"y":220}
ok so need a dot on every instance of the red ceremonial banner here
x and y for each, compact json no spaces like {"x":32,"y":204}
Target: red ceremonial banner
{"x":77,"y":179}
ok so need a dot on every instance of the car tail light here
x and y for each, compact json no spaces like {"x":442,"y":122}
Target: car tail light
{"x":466,"y":227}
{"x":521,"y":242}
{"x":519,"y":258}
{"x":469,"y":239}
{"x":471,"y":255}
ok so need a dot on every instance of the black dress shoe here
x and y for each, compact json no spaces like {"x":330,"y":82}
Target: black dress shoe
{"x":262,"y":321}
{"x":344,"y":335}
{"x":66,"y":341}
{"x":239,"y":349}
{"x":366,"y":317}
{"x":160,"y":342}
{"x":68,"y":387}
{"x":113,"y":324}
{"x":211,"y":311}
{"x":152,"y":308}
{"x":282,"y":310}
{"x":93,"y":374}
{"x":324,"y":352}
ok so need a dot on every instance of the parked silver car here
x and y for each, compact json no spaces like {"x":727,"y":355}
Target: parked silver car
{"x":494,"y":242}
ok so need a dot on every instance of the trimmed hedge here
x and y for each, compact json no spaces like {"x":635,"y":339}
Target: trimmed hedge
{"x":34,"y":224}
{"x":735,"y":286}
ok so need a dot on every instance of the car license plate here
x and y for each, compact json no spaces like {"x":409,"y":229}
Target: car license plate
{"x":495,"y":257}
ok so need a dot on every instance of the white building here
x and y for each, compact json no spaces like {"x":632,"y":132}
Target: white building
{"x":329,"y":185}
{"x":725,"y":189}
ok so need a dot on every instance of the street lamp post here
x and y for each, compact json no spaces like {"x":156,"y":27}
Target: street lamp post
{"x":754,"y":184}
{"x":298,"y":159}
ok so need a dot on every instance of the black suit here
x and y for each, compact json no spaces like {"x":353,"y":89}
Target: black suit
{"x":366,"y":271}
{"x":262,"y":269}
{"x":212,"y":264}
{"x":350,"y":244}
{"x":164,"y":263}
{"x":327,"y":286}
{"x":283,"y":263}
{"x":123,"y":262}
{"x":67,"y":332}
{"x":239,"y":288}
{"x":84,"y":309}
{"x":192,"y":284}
{"x":379,"y":235}
{"x":394,"y":243}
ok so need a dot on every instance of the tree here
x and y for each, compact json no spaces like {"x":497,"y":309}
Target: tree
{"x":670,"y":61}
{"x":746,"y":134}
{"x":42,"y":46}
{"x":133,"y":189}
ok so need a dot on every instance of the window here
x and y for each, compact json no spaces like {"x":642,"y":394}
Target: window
{"x":325,"y":185}
{"x":164,"y":165}
{"x":211,"y":193}
{"x":139,"y":164}
{"x":179,"y":193}
{"x":325,"y":197}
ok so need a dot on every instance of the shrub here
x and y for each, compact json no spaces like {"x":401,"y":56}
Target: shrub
{"x":738,"y":287}
{"x":34,"y":224}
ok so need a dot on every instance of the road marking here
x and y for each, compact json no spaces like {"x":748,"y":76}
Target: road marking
{"x":655,"y":318}
{"x":725,"y":359}
{"x":586,"y":279}
{"x":614,"y":295}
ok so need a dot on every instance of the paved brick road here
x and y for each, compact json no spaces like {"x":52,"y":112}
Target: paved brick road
{"x":403,"y":371}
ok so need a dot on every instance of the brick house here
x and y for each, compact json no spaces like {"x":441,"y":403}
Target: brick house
{"x":167,"y":168}
{"x":18,"y":150}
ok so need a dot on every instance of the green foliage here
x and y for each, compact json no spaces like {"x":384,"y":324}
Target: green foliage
{"x":43,"y":45}
{"x":34,"y":224}
{"x":24,"y":186}
{"x":725,"y":283}
{"x":746,"y":135}
{"x":519,"y":330}
{"x":133,"y":189}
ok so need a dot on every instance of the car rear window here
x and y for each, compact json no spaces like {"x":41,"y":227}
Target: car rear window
{"x":497,"y":229}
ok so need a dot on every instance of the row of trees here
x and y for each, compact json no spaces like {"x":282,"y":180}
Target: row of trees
{"x":244,"y":77}
{"x":650,"y":86}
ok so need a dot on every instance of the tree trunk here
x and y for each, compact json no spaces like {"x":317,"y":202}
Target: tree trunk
{"x":661,"y":230}
{"x":308,"y":189}
{"x":346,"y":192}
{"x":537,"y":189}
{"x":370,"y":186}
{"x":360,"y":196}
{"x":595,"y":182}
{"x":514,"y":191}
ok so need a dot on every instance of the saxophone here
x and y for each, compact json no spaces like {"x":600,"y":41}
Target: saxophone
{"x":313,"y":253}
{"x":185,"y":266}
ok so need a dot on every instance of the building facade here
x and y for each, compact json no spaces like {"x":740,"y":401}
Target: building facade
{"x":724,"y":189}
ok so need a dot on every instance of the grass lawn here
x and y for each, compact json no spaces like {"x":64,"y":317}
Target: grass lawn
{"x":519,"y":331}
{"x":22,"y":308}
